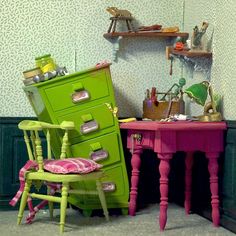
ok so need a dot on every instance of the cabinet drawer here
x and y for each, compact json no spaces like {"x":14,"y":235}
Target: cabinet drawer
{"x":89,"y":122}
{"x":114,"y":176}
{"x":113,"y":182}
{"x":103,"y":150}
{"x":77,"y":91}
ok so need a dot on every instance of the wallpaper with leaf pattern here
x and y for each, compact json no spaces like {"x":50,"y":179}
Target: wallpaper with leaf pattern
{"x":31,"y":28}
{"x":221,"y":18}
{"x":72,"y":31}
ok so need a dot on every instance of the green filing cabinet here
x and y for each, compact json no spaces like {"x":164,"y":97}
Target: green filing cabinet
{"x":87,"y":98}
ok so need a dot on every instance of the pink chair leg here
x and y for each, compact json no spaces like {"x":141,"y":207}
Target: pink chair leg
{"x":188,"y":181}
{"x":135,"y":163}
{"x":164,"y":169}
{"x":213,"y":171}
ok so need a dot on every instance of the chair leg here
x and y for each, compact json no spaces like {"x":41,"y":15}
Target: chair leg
{"x":51,"y":208}
{"x":102,"y":199}
{"x":64,"y":194}
{"x":23,"y":200}
{"x":50,"y":204}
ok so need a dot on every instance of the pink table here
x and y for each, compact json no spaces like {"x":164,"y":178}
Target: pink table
{"x":166,"y":138}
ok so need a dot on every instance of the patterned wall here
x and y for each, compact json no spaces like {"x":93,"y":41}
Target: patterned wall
{"x":30,"y":28}
{"x":221,"y":17}
{"x":141,"y":63}
{"x":72,"y":31}
{"x":195,"y":12}
{"x":225,"y":56}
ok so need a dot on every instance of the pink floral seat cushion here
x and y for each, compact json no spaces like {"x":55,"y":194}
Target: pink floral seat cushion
{"x":71,"y":165}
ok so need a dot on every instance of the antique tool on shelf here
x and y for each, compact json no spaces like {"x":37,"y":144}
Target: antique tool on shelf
{"x":171,"y":64}
{"x":173,"y":29}
{"x":170,"y":57}
{"x":150,"y":28}
{"x":197,"y":37}
{"x":120,"y":15}
{"x":118,"y":12}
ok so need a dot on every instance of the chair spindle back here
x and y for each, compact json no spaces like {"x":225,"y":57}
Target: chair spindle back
{"x":33,"y":141}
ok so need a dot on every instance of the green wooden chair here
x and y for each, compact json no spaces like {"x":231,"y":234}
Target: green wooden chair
{"x":32,"y":139}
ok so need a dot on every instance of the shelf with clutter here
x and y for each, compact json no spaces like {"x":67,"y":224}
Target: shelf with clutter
{"x":146,"y":34}
{"x":120,"y":16}
{"x":197,"y":46}
{"x":195,"y":53}
{"x":192,"y":54}
{"x":116,"y":37}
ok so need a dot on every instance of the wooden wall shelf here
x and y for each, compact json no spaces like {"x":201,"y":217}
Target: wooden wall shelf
{"x":116,"y":37}
{"x":146,"y":34}
{"x":191,"y":53}
{"x":196,"y":60}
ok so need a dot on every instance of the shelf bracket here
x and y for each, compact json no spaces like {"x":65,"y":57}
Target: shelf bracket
{"x":115,"y":46}
{"x":196,"y":64}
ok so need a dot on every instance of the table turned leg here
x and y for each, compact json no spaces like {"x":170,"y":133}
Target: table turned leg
{"x":188,"y":181}
{"x":213,"y":171}
{"x":164,"y":169}
{"x":135,"y":163}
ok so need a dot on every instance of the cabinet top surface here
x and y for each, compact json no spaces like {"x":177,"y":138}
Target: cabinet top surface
{"x":59,"y":78}
{"x":178,"y":125}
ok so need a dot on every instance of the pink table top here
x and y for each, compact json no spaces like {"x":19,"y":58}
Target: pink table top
{"x":175,"y":125}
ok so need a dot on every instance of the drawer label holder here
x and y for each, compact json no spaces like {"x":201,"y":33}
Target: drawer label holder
{"x":99,"y":155}
{"x":79,"y":96}
{"x":89,"y":127}
{"x":108,"y":186}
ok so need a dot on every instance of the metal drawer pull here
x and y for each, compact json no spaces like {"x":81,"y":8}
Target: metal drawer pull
{"x":99,"y":155}
{"x":138,"y":138}
{"x":108,"y":186}
{"x":80,"y":96}
{"x":89,"y":127}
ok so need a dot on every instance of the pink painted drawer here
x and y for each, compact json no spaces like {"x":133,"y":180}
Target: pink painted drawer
{"x":145,"y":139}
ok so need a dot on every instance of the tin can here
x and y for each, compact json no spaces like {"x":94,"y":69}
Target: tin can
{"x":46,"y":63}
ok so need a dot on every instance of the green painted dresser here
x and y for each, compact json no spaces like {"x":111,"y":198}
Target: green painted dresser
{"x":87,"y":98}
